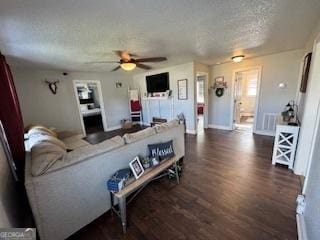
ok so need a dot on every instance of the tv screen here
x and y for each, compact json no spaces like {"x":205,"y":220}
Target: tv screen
{"x":158,"y":82}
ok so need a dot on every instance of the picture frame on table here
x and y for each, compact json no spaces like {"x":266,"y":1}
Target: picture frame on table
{"x":183,"y":89}
{"x":136,"y":167}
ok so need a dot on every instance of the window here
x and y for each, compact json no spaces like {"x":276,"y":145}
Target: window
{"x":252,"y":87}
{"x":200,"y":92}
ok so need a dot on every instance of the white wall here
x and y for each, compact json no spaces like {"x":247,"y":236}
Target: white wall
{"x":307,"y":102}
{"x":301,"y":97}
{"x":183,"y":71}
{"x":312,"y":193}
{"x":40,"y":106}
{"x":276,"y":68}
{"x":309,"y":116}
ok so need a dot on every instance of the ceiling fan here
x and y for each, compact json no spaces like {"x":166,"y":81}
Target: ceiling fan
{"x":128,"y":63}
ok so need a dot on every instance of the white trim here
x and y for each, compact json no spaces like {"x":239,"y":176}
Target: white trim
{"x":113,"y":128}
{"x":301,"y":227}
{"x":103,"y":113}
{"x":189,"y":131}
{"x":222,"y":127}
{"x":266,"y":133}
{"x":256,"y":108}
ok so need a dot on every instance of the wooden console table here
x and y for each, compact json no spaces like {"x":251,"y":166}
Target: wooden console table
{"x":136,"y":186}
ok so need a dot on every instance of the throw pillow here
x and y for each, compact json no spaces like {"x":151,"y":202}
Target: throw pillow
{"x":44,"y":155}
{"x":41,"y":130}
{"x":39,"y":138}
{"x":162,"y":150}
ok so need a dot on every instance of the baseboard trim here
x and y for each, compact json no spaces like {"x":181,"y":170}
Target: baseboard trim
{"x":266,"y":133}
{"x":113,"y":128}
{"x":189,"y":131}
{"x":222,"y":127}
{"x":301,"y":227}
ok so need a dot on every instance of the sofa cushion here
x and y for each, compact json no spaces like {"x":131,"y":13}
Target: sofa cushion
{"x":133,"y":137}
{"x":75,"y":142}
{"x":44,"y":155}
{"x":166,"y":126}
{"x":86,"y":152}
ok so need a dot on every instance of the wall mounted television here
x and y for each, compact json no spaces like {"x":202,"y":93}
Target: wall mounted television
{"x":158,"y":82}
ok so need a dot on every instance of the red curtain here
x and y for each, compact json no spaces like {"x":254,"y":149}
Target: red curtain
{"x":10,"y":115}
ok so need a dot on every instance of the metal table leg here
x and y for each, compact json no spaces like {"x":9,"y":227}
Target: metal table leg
{"x":177,"y":172}
{"x":112,"y":203}
{"x":123,"y":213}
{"x":122,"y":201}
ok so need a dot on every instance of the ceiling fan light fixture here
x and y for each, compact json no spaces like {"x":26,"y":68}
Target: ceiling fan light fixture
{"x":238,"y":58}
{"x":128,"y":66}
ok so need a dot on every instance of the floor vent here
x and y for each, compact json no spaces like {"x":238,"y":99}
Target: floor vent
{"x":269,"y":122}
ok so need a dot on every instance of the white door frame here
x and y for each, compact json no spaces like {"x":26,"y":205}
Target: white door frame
{"x":256,"y":108}
{"x":206,"y":93}
{"x":103,"y":113}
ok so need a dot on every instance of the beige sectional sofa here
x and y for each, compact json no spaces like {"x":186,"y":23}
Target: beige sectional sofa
{"x":70,"y":192}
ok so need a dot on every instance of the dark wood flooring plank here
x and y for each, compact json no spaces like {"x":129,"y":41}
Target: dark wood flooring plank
{"x":229,"y":190}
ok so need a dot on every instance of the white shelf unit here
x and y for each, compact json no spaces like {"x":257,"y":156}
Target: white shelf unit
{"x":149,"y":112}
{"x":285,"y":144}
{"x":135,"y":116}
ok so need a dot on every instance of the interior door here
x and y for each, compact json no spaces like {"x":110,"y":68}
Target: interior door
{"x":237,"y":97}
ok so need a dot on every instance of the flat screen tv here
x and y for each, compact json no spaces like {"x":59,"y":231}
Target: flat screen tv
{"x":158,"y":82}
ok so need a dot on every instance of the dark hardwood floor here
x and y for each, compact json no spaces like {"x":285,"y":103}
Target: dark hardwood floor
{"x":229,"y":190}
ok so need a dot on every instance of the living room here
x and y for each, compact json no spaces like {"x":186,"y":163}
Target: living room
{"x":51,"y":47}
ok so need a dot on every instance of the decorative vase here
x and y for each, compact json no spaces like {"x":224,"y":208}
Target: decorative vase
{"x":155,"y":161}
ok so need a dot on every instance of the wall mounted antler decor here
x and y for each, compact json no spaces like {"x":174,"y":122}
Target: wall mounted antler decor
{"x":52,"y":86}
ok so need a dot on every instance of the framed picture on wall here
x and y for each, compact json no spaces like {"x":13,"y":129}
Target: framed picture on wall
{"x":183,"y":89}
{"x":305,"y":72}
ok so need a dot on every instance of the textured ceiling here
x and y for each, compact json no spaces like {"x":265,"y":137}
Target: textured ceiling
{"x":65,"y":34}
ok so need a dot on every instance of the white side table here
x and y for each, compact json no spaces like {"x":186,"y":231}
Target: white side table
{"x":284,"y":149}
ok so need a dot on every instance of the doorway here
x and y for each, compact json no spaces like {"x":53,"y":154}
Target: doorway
{"x":245,"y":97}
{"x":90,"y":106}
{"x":201,"y":102}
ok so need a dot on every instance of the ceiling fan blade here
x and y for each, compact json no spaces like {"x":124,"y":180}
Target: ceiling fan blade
{"x":102,"y":62}
{"x":152,"y":59}
{"x":123,"y":54}
{"x":115,"y":69}
{"x":143,"y":66}
{"x":117,"y":52}
{"x":133,"y":55}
